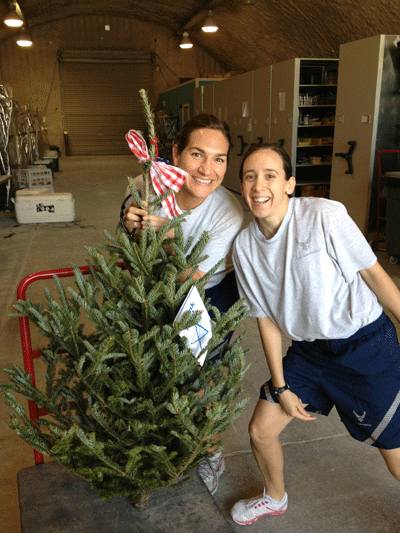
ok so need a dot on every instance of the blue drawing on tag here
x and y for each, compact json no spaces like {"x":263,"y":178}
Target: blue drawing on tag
{"x":199,"y":331}
{"x":199,"y":334}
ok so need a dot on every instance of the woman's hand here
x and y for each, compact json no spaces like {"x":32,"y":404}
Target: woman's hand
{"x":133,"y":217}
{"x":293,"y":406}
{"x":137,"y":219}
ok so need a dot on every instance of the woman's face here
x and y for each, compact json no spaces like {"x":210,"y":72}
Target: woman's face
{"x":265,"y":187}
{"x":204,"y":159}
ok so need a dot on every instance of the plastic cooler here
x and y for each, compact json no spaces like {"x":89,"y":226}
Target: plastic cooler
{"x":393,"y":214}
{"x":41,"y":205}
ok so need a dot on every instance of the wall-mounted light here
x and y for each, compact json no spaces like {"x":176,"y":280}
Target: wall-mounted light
{"x":209,"y":25}
{"x":186,"y":42}
{"x":14,"y":19}
{"x":24,"y":38}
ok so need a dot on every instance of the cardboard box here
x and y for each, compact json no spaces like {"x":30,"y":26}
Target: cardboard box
{"x":34,"y":205}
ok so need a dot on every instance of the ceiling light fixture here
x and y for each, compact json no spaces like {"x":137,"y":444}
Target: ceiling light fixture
{"x":186,"y":42}
{"x":209,"y":25}
{"x":14,"y":19}
{"x":248,"y":2}
{"x":24,"y":38}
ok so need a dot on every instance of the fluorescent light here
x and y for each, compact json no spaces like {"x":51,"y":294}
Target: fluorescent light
{"x":186,"y":42}
{"x":13,"y":19}
{"x":209,"y":25}
{"x":24,"y":38}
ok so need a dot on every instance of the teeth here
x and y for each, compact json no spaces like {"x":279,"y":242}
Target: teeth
{"x":207,"y":182}
{"x":260,"y":200}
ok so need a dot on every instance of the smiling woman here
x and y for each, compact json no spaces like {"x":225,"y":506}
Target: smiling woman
{"x":204,"y":159}
{"x":201,"y":150}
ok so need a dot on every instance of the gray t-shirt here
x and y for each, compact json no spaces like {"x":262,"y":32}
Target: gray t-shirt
{"x":306,"y":277}
{"x":221,"y":215}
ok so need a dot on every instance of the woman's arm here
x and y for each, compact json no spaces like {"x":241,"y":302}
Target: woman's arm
{"x":384,"y":287}
{"x":271,"y":340}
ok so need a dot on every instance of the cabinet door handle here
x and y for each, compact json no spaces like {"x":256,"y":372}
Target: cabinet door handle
{"x":280,"y":142}
{"x":260,"y":140}
{"x":242,"y":144}
{"x":348,"y":157}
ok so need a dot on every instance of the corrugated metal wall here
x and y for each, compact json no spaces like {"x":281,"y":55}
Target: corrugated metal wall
{"x":101,"y":100}
{"x":34,"y":73}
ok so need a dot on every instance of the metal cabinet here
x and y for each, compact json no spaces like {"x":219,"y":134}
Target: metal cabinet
{"x":367,"y":114}
{"x":243,"y":101}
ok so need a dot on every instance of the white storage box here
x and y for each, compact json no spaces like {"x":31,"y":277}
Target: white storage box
{"x":53,"y":156}
{"x":35,"y":176}
{"x":34,"y":205}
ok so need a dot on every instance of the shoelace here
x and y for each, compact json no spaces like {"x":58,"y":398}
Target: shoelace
{"x":252,"y":503}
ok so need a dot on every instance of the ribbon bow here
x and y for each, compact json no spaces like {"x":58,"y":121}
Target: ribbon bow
{"x":163,"y":176}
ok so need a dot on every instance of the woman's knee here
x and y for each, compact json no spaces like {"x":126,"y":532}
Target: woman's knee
{"x":267,"y":422}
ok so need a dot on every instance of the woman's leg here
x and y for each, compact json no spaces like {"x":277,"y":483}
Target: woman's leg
{"x":267,"y":423}
{"x":392,"y":460}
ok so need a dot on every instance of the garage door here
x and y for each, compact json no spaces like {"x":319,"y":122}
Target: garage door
{"x":101,"y":100}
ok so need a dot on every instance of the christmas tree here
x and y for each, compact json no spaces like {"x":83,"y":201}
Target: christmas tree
{"x":124,"y":402}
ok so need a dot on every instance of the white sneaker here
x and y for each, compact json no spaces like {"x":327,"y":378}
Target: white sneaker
{"x":246,"y":512}
{"x":210,"y":471}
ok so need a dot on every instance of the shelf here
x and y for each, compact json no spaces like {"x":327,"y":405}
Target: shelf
{"x":311,"y":182}
{"x":318,"y":105}
{"x":314,"y":145}
{"x":317,"y":85}
{"x":315,"y":125}
{"x":311,"y":165}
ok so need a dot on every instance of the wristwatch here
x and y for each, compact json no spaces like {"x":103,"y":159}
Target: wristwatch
{"x":277,"y":392}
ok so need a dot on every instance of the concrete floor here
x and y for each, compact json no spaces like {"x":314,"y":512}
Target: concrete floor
{"x":334,"y":483}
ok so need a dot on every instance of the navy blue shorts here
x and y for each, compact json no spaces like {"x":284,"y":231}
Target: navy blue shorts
{"x":360,"y":376}
{"x":223,"y":296}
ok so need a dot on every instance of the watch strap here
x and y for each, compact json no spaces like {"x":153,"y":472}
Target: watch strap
{"x":276,"y":392}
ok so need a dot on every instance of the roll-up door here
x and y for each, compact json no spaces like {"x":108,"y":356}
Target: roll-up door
{"x":101,"y":100}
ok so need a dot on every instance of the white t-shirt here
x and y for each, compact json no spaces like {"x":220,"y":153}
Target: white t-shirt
{"x":221,"y":215}
{"x":306,"y":277}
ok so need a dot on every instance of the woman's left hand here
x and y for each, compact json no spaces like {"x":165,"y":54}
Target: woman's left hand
{"x":293,"y":406}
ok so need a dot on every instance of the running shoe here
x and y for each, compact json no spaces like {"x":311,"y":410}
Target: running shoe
{"x":210,"y":471}
{"x":246,"y":512}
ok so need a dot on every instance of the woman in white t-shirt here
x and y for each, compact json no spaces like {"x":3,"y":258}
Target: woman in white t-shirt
{"x":201,"y":149}
{"x":305,"y":269}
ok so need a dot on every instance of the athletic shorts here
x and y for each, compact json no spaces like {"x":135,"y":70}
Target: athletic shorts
{"x":223,"y":296}
{"x":359,"y":375}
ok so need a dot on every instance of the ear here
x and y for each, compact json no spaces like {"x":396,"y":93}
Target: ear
{"x":241,"y":188}
{"x":175,"y":155}
{"x":291,"y":184}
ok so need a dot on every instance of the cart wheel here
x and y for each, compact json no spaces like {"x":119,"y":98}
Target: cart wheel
{"x":393,"y":260}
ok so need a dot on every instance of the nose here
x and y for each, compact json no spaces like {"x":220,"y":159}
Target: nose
{"x":206,"y":167}
{"x":256,"y":185}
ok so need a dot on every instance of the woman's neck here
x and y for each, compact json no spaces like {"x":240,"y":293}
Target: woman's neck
{"x":269,"y":226}
{"x":187,"y":202}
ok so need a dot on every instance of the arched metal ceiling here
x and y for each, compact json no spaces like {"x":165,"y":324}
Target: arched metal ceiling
{"x":249,"y":36}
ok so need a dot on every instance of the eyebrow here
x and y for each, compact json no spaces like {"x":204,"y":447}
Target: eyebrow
{"x":224,"y":154}
{"x":264,"y":170}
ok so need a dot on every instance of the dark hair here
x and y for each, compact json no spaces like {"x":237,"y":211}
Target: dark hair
{"x":287,"y":164}
{"x":204,"y":120}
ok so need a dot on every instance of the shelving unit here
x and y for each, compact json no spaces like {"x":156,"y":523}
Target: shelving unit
{"x":315,"y":122}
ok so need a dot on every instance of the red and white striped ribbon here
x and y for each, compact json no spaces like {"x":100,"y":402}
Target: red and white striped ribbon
{"x":163,"y":176}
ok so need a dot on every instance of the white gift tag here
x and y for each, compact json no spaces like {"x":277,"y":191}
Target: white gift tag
{"x":200,"y":334}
